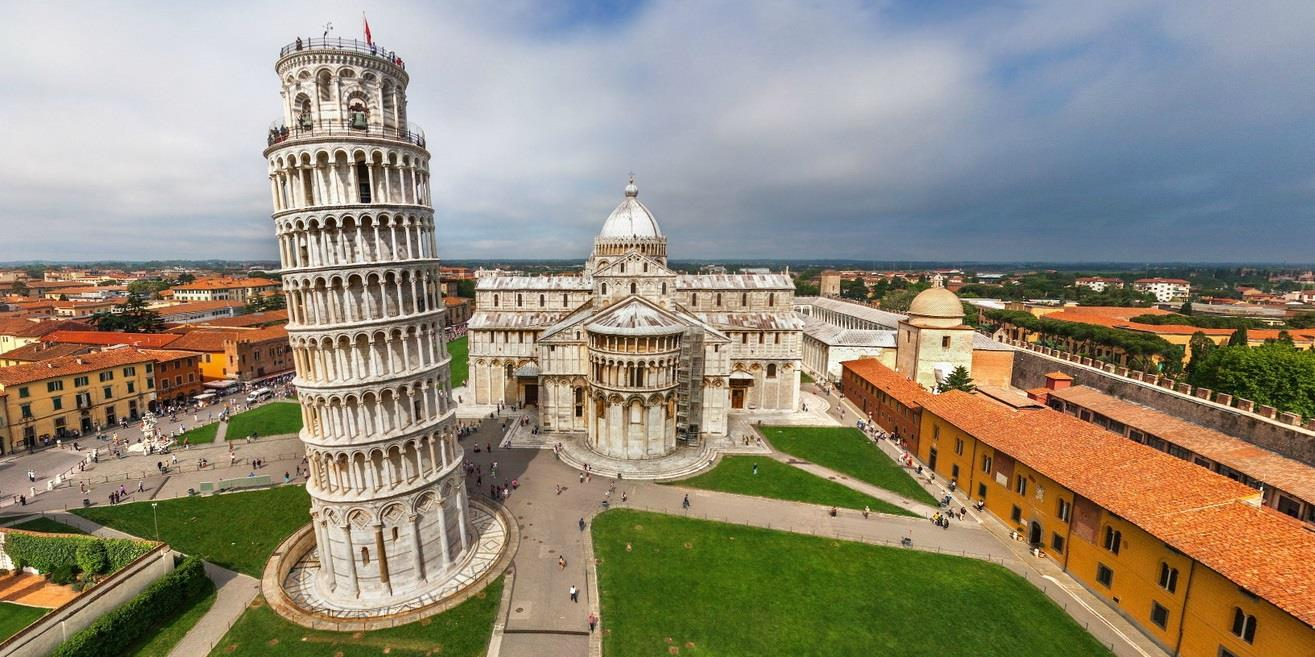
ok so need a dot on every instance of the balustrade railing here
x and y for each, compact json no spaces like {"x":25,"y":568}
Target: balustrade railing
{"x":339,"y":43}
{"x":279,"y":132}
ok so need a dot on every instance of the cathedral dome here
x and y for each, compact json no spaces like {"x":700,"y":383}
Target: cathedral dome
{"x":630,"y":219}
{"x":937,"y":303}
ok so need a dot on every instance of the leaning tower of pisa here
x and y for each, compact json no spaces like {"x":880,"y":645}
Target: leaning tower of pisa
{"x":349,"y":178}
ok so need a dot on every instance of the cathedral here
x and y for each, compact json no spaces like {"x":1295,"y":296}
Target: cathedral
{"x":633,"y":355}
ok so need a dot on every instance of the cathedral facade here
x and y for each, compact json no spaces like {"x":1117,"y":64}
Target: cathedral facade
{"x":635,"y":356}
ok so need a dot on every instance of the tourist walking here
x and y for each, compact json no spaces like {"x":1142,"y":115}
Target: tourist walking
{"x":685,"y":504}
{"x":575,"y":594}
{"x":593,"y":622}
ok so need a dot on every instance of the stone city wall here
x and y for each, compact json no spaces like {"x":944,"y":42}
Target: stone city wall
{"x":1263,"y":426}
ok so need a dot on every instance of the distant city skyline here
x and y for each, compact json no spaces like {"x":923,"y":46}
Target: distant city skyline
{"x":1052,"y":132}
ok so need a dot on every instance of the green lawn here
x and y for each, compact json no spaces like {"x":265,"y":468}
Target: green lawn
{"x":43,"y":524}
{"x":804,"y":378}
{"x":16,"y":617}
{"x":173,"y":628}
{"x":235,"y":530}
{"x":200,"y":435}
{"x":848,"y":451}
{"x":734,"y":474}
{"x":269,"y":420}
{"x":459,"y":349}
{"x":462,"y":631}
{"x":693,"y":587}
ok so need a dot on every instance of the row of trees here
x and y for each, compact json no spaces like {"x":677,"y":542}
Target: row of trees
{"x":1143,"y":349}
{"x":1275,"y":374}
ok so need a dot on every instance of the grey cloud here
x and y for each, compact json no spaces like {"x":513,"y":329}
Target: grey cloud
{"x":1058,"y":130}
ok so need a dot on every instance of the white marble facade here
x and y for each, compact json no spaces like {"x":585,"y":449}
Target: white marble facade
{"x":350,"y":184}
{"x":631,"y":353}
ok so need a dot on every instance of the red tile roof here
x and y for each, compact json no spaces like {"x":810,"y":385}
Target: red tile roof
{"x":56,"y":367}
{"x":250,"y":319}
{"x":888,"y":381}
{"x":110,"y":338}
{"x":227,"y":284}
{"x":1284,"y":473}
{"x":1207,"y":516}
{"x":213,"y":340}
{"x":35,"y":351}
{"x":25,"y":328}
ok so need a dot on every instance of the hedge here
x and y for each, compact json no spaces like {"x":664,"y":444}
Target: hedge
{"x":117,"y":633}
{"x":48,"y":553}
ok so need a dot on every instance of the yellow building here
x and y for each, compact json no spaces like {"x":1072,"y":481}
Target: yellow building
{"x":73,"y":395}
{"x":1187,"y":555}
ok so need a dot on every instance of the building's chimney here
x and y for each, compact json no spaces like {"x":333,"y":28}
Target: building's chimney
{"x":1058,"y":381}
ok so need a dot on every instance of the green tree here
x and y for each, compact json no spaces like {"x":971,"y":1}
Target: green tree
{"x":854,"y":289}
{"x":897,"y":301}
{"x":1198,"y":348}
{"x":19,"y":287}
{"x":148,"y":288}
{"x":466,"y":289}
{"x":957,"y":380}
{"x":92,"y":558}
{"x":260,"y":303}
{"x":1186,"y":308}
{"x":131,"y":316}
{"x":1304,"y":320}
{"x":1274,"y":374}
{"x":1239,"y":337}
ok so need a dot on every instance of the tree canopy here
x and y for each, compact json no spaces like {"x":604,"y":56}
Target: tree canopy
{"x":1274,"y":374}
{"x":958,"y":379}
{"x":131,"y":316}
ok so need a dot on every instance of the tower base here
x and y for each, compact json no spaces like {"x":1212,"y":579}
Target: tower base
{"x":289,"y":581}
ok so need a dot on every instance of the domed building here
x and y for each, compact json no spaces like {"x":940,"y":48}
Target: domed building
{"x":630,"y":354}
{"x":933,"y":340}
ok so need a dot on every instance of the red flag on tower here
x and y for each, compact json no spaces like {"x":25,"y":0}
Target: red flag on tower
{"x":368,"y":38}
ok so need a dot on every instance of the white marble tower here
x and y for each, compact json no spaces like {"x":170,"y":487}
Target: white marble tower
{"x":350,"y":183}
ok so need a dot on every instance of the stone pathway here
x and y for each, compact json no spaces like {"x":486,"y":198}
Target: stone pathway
{"x":924,"y":510}
{"x":234,"y":593}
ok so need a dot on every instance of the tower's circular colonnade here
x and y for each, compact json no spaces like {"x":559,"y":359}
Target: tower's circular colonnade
{"x":393,"y":535}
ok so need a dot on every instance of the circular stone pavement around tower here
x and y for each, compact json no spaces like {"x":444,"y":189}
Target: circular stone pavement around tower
{"x":683,"y":462}
{"x":289,"y":578}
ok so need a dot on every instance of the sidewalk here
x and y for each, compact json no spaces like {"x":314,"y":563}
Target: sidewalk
{"x":234,"y":593}
{"x":861,"y":486}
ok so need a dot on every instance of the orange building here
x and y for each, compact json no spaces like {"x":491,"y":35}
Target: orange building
{"x":1187,"y":555}
{"x":177,"y":374}
{"x":885,"y":397}
{"x":239,"y":354}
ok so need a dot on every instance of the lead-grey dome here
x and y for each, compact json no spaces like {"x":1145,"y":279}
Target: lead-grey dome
{"x":631,"y":218}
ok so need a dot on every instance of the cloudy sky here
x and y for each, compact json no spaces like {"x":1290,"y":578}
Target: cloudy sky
{"x":1062,"y":131}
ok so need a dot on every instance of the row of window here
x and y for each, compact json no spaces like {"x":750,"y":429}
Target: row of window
{"x":80,"y":381}
{"x":1243,"y":626}
{"x":82,"y":399}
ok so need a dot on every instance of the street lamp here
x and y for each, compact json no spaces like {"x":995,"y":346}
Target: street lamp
{"x":156,"y":518}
